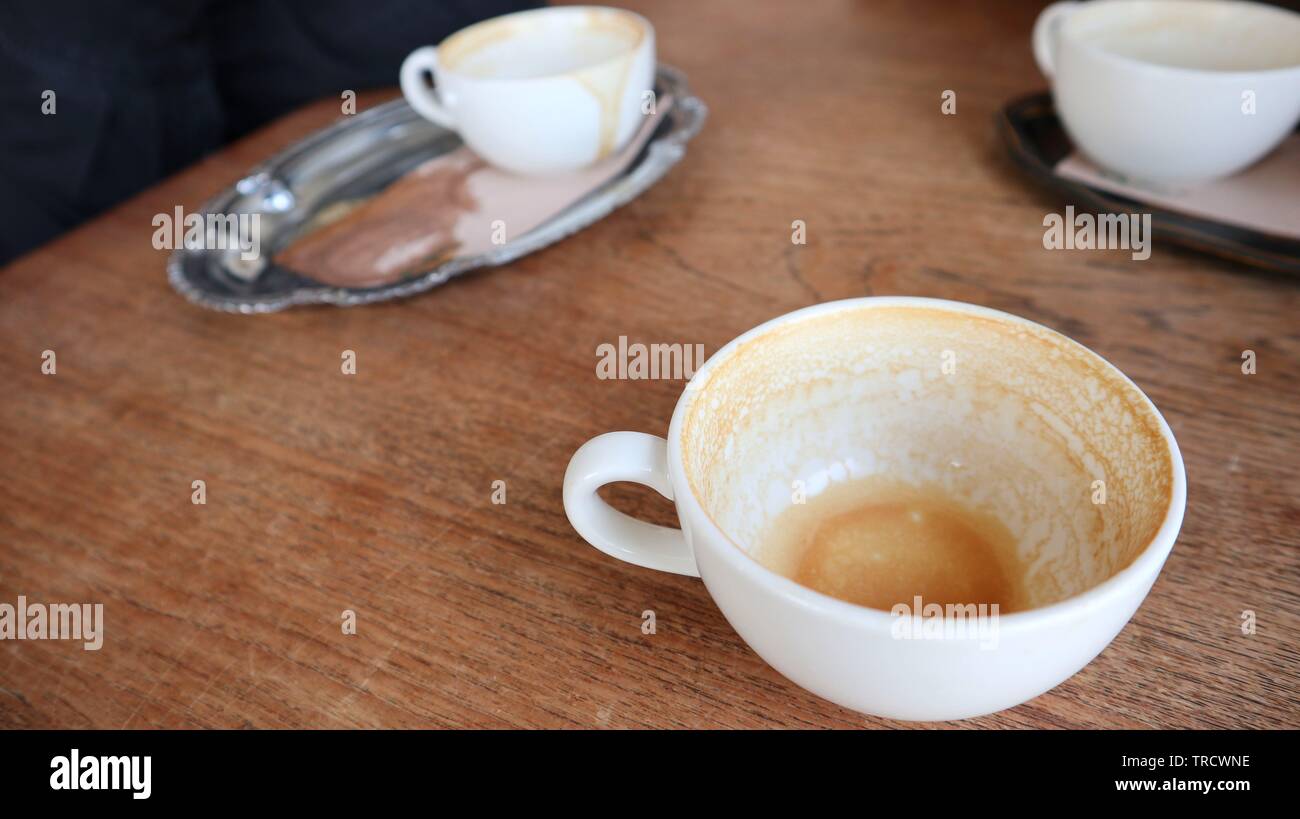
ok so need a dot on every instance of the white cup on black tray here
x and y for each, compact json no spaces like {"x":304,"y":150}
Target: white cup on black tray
{"x":1172,"y":91}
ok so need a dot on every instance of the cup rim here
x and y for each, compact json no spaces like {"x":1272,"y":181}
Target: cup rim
{"x":1145,"y":565}
{"x":1199,"y":73}
{"x":646,"y":31}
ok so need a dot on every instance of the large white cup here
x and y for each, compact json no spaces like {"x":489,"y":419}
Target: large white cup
{"x":1172,"y":91}
{"x":539,"y":91}
{"x":1021,"y":427}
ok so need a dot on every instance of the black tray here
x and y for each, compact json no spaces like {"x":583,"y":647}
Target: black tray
{"x":1037,"y":142}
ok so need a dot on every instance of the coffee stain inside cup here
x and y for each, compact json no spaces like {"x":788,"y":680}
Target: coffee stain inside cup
{"x":879,"y":543}
{"x":467,"y":42}
{"x":1006,"y":426}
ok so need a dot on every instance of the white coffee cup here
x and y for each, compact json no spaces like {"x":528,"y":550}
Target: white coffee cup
{"x":539,"y":91}
{"x":1172,"y":91}
{"x":1021,"y":425}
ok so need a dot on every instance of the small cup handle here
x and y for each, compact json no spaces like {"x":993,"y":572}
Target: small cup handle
{"x":1045,"y":35}
{"x":420,"y":96}
{"x":624,"y":456}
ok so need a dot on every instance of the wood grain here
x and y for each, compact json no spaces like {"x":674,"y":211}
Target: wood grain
{"x":373,"y":492}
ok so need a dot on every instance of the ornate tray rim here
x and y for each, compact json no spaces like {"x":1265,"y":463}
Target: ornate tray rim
{"x":660,"y":154}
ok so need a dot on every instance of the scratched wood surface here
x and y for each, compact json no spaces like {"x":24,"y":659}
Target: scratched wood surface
{"x":373,"y":492}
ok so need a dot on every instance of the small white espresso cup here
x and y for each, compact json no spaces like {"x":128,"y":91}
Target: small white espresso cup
{"x":1172,"y":91}
{"x":1015,"y":419}
{"x":541,"y":91}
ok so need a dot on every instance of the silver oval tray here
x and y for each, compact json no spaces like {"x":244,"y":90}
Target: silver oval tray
{"x":361,"y":155}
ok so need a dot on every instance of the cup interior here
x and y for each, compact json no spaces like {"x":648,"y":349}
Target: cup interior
{"x":1202,"y":35}
{"x":1012,"y":419}
{"x":542,"y":43}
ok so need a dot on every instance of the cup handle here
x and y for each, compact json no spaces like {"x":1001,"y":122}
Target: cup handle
{"x":1044,"y":37}
{"x":420,"y":96}
{"x":624,"y":456}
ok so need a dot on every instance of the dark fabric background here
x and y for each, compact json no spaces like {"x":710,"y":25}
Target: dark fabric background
{"x":145,"y":87}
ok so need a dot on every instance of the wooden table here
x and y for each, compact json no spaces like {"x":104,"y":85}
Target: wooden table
{"x":373,"y":492}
